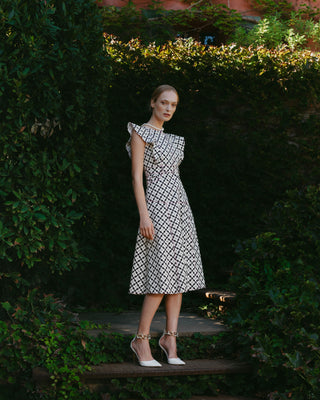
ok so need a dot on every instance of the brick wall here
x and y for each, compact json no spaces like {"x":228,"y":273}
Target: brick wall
{"x":242,"y":6}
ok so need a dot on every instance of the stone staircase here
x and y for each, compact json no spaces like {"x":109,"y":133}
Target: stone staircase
{"x":97,"y":379}
{"x":102,"y":372}
{"x":99,"y":376}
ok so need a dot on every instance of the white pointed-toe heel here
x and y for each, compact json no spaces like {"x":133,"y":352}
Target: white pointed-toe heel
{"x":151,"y":363}
{"x":172,"y":361}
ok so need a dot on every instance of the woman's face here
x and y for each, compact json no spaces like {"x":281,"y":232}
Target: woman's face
{"x":165,"y":106}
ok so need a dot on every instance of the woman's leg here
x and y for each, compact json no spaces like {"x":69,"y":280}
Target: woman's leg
{"x":173,"y":306}
{"x":150,"y":305}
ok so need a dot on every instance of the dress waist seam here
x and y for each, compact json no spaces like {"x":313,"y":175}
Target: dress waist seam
{"x":167,"y":201}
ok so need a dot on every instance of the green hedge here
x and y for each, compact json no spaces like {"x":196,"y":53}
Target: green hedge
{"x":250,"y":125}
{"x":277,"y":315}
{"x":40,"y":332}
{"x":53,"y":123}
{"x":52,"y":117}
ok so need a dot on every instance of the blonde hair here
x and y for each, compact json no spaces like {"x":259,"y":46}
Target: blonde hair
{"x":163,"y":88}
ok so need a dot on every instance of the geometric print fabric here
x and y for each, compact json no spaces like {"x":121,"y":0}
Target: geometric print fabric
{"x":171,"y":262}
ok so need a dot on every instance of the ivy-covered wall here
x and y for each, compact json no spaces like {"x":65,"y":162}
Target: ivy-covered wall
{"x":155,"y":24}
{"x":53,"y":125}
{"x":52,"y":118}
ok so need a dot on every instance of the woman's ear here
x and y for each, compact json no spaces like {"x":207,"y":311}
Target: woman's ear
{"x":152,"y":104}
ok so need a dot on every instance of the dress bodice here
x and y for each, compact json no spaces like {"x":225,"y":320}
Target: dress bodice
{"x":164,"y":152}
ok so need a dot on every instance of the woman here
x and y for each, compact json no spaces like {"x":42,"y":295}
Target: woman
{"x":167,"y":259}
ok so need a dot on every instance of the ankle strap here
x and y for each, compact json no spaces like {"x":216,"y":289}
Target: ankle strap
{"x":171,"y":333}
{"x":142,"y":336}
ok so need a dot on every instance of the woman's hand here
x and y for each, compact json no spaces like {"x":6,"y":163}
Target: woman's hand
{"x":146,"y":228}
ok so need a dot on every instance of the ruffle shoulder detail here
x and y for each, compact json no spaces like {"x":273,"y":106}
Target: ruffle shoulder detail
{"x":179,"y":142}
{"x":147,"y":135}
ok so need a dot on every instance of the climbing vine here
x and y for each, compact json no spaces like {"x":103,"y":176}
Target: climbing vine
{"x":200,"y":20}
{"x":283,"y":9}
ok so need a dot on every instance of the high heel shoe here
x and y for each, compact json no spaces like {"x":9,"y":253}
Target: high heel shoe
{"x":151,"y":363}
{"x":172,"y":361}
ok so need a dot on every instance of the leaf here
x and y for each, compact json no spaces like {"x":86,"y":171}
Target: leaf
{"x":40,"y":216}
{"x":76,"y":168}
{"x":62,"y":244}
{"x":7,"y":306}
{"x":64,"y":9}
{"x":75,"y":215}
{"x":11,"y":14}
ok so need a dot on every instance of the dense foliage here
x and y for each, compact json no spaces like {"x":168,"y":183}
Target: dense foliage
{"x":180,"y":387}
{"x":250,"y":121}
{"x":295,"y":32}
{"x":280,"y":24}
{"x":200,"y":20}
{"x":40,"y":332}
{"x":284,"y":8}
{"x":51,"y":114}
{"x":52,"y":117}
{"x":273,"y":7}
{"x":278,"y":297}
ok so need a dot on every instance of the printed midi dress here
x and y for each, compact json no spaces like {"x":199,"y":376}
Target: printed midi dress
{"x":171,"y":262}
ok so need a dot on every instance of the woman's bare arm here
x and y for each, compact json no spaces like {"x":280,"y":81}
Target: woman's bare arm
{"x":137,"y":151}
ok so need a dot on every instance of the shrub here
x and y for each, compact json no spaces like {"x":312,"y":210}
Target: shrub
{"x":178,"y":387}
{"x":52,"y":116}
{"x":284,"y":8}
{"x":39,"y":331}
{"x":272,"y":7}
{"x":278,"y":297}
{"x":155,"y":24}
{"x":53,"y":124}
{"x":296,"y":32}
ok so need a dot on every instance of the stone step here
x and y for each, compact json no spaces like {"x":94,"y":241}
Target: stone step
{"x":102,"y":372}
{"x":221,"y":296}
{"x":218,"y":397}
{"x":127,"y":322}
